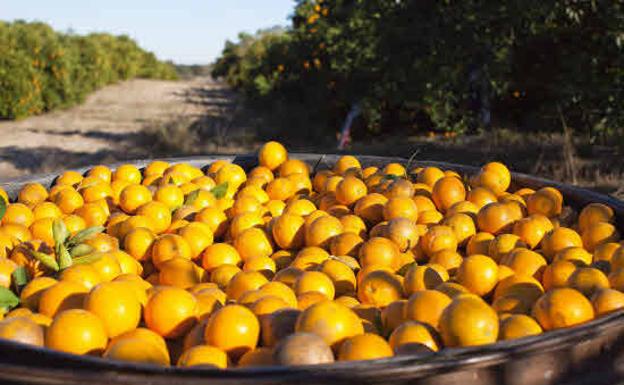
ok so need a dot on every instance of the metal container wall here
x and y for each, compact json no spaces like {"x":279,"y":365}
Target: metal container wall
{"x":592,"y":353}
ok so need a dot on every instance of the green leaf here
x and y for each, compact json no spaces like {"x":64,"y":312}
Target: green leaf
{"x":47,"y":260}
{"x":3,"y":207}
{"x":59,"y":232}
{"x":89,"y":258}
{"x":80,"y":250}
{"x":20,"y":277}
{"x":191,"y":197}
{"x":64,"y":259}
{"x":219,"y":191}
{"x":8,"y":299}
{"x":84,"y":235}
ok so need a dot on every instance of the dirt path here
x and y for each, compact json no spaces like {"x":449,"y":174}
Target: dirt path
{"x":118,"y":122}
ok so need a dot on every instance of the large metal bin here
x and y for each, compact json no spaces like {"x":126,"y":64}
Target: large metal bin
{"x":592,"y":353}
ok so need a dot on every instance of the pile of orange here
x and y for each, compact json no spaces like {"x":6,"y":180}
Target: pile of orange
{"x":282,"y":265}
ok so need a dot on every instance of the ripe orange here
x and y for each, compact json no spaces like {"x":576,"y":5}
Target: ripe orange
{"x":559,"y":239}
{"x":467,"y":321}
{"x":322,"y":230}
{"x":478,"y":273}
{"x":400,"y":208}
{"x":271,"y":155}
{"x":546,"y":201}
{"x":518,"y":326}
{"x":169,"y":246}
{"x":595,"y":213}
{"x":119,"y":310}
{"x":447,"y":191}
{"x":233,"y":329}
{"x":562,"y":307}
{"x":426,"y":306}
{"x":413,"y":332}
{"x":379,"y":288}
{"x":423,"y":277}
{"x":438,"y":238}
{"x":170,"y":312}
{"x":77,"y":331}
{"x":332,"y":321}
{"x":379,"y":251}
{"x":598,"y":234}
{"x":495,"y":218}
{"x":366,"y":346}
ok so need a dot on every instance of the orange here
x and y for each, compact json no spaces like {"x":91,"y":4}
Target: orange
{"x":84,"y":275}
{"x":447,"y":191}
{"x":77,"y":331}
{"x":319,"y":180}
{"x":423,"y":277}
{"x":31,"y":293}
{"x":400,"y":208}
{"x":598,"y":234}
{"x":128,"y":173}
{"x":314,"y":281}
{"x":74,"y":223}
{"x":346,"y":243}
{"x":7,"y":267}
{"x":502,"y":245}
{"x":463,"y":226}
{"x":607,"y":300}
{"x":260,"y":172}
{"x":350,"y":190}
{"x":341,"y":274}
{"x":557,"y":273}
{"x":219,"y":254}
{"x":492,"y":180}
{"x":403,"y":233}
{"x":137,"y":349}
{"x":19,"y":214}
{"x":478,"y":273}
{"x":595,"y":213}
{"x":61,"y":296}
{"x":559,"y":239}
{"x":414,"y":333}
{"x":203,"y":355}
{"x":353,"y":224}
{"x":479,"y":243}
{"x":32,"y":194}
{"x":198,"y":235}
{"x":156,"y":167}
{"x":518,"y":326}
{"x":223,"y":274}
{"x":68,"y":200}
{"x":170,"y":195}
{"x":429,"y":175}
{"x":119,"y":310}
{"x":107,"y":266}
{"x":562,"y":307}
{"x":293,"y":166}
{"x":252,"y":243}
{"x":138,"y":243}
{"x":264,"y":265}
{"x":179,"y":272}
{"x":214,"y":218}
{"x":244,"y":281}
{"x":532,"y":229}
{"x":169,"y":246}
{"x":96,"y":191}
{"x":134,"y":196}
{"x":366,"y":346}
{"x":233,"y":329}
{"x":280,"y":189}
{"x":616,"y":279}
{"x":331,"y":321}
{"x":379,"y":288}
{"x":103,"y":242}
{"x":170,"y":312}
{"x":93,"y":214}
{"x":322,"y":230}
{"x":588,"y":280}
{"x":371,"y":208}
{"x":300,"y":207}
{"x":345,"y":163}
{"x":449,"y":259}
{"x":392,"y":316}
{"x":379,"y":252}
{"x":69,"y":177}
{"x":574,"y":254}
{"x":243,"y":222}
{"x":546,"y":201}
{"x":481,"y":196}
{"x":157,"y":213}
{"x":288,"y":231}
{"x":606,"y":251}
{"x":271,"y":155}
{"x":495,"y":218}
{"x":437,"y":238}
{"x":22,"y":329}
{"x":468,"y":321}
{"x":426,"y":306}
{"x":280,"y":290}
{"x":526,"y":262}
{"x":424,"y":204}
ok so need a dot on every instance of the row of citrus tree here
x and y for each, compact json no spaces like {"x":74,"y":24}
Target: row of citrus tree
{"x":443,"y":65}
{"x":41,"y":69}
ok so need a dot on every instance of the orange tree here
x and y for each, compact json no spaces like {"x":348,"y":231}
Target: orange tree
{"x":446,"y":65}
{"x":41,"y":69}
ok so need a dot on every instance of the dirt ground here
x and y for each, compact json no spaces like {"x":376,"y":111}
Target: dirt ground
{"x":150,"y":118}
{"x":118,"y":122}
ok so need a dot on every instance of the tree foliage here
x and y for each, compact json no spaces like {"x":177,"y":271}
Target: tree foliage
{"x":445,"y":65}
{"x":41,"y":69}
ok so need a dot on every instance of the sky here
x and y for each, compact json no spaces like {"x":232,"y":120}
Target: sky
{"x":185,"y":31}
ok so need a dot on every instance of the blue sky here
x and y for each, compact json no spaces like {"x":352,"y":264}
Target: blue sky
{"x":185,"y":31}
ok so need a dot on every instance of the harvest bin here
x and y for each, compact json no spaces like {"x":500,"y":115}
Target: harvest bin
{"x":592,"y":353}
